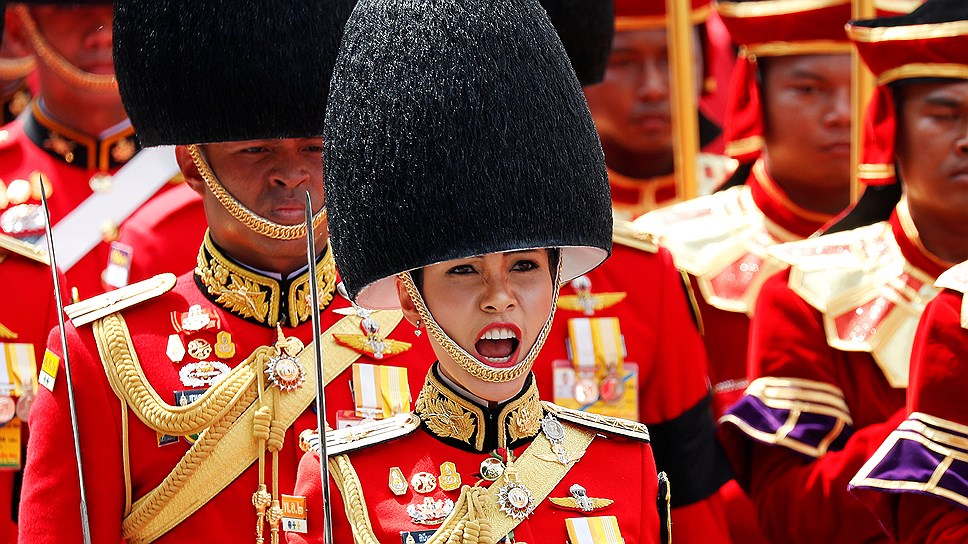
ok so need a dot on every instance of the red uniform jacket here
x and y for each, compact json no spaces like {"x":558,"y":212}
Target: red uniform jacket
{"x":661,"y":336}
{"x":37,"y":144}
{"x":613,"y":467}
{"x":27,"y":314}
{"x":49,"y":511}
{"x":827,"y":386}
{"x":905,"y":483}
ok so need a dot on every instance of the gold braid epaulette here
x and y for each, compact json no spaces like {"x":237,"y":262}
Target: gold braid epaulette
{"x":127,"y":379}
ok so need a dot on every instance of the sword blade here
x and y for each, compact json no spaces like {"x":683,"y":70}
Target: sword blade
{"x":85,"y":523}
{"x":320,"y":394}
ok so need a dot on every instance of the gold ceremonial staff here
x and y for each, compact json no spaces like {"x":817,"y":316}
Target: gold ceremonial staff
{"x":861,"y":89}
{"x":682,"y":85}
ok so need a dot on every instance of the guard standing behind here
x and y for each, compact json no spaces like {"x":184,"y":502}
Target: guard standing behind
{"x":830,"y":340}
{"x":186,"y":388}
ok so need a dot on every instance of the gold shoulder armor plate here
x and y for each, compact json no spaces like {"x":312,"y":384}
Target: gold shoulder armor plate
{"x":92,"y":309}
{"x":623,"y":232}
{"x":360,"y":436}
{"x":19,"y":247}
{"x":611,"y":425}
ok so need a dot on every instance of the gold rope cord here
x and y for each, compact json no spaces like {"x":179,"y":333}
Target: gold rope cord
{"x":67,"y":71}
{"x":128,"y":380}
{"x":146,"y":508}
{"x":247,"y":217}
{"x":467,"y":361}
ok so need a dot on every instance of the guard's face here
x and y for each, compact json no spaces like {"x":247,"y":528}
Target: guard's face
{"x":81,"y":34}
{"x":494,"y":306}
{"x":806,"y":100}
{"x":270,"y":178}
{"x":631,"y":106}
{"x":932,"y":148}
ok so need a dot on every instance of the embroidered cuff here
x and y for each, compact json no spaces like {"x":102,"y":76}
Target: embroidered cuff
{"x":805,"y":416}
{"x":926,"y":455}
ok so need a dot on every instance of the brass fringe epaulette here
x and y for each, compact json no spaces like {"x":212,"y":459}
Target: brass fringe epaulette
{"x":624,"y":233}
{"x":360,"y":436}
{"x":607,"y":424}
{"x":94,"y":308}
{"x":19,"y":247}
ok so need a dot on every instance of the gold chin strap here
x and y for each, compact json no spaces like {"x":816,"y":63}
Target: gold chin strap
{"x":67,"y":71}
{"x":17,"y":68}
{"x":467,"y":361}
{"x":247,"y":217}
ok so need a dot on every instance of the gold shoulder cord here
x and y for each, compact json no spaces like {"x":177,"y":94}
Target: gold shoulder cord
{"x":128,"y":381}
{"x":477,"y":517}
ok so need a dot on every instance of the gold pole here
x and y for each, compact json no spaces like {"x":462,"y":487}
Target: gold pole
{"x":861,"y":89}
{"x":682,"y":87}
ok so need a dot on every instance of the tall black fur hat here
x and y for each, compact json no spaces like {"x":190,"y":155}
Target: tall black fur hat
{"x":586,"y":28}
{"x":457,"y":128}
{"x":216,"y":71}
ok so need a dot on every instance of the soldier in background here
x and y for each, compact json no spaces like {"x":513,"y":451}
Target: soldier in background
{"x":830,"y":339}
{"x":186,"y":387}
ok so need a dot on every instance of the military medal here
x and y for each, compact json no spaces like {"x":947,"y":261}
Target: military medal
{"x":176,"y":349}
{"x":585,"y":301}
{"x":554,"y":431}
{"x":25,"y":402}
{"x":224,"y":347}
{"x":430,"y":511}
{"x":202,"y":373}
{"x":583,"y":355}
{"x":423,"y":482}
{"x":608,"y":346}
{"x":8,"y":408}
{"x":199,"y":349}
{"x":195,"y":319}
{"x":398,"y":484}
{"x":492,"y":468}
{"x":449,"y":477}
{"x":284,"y":370}
{"x":515,"y":500}
{"x":579,"y":500}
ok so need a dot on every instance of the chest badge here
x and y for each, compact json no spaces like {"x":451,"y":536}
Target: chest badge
{"x":585,"y":301}
{"x":283,"y":369}
{"x":579,"y":500}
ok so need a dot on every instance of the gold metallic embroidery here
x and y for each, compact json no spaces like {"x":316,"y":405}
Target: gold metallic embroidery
{"x":448,"y":415}
{"x":254,"y":296}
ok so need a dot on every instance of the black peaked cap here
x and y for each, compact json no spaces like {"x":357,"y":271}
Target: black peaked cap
{"x":457,"y":128}
{"x":219,"y":70}
{"x":586,"y":28}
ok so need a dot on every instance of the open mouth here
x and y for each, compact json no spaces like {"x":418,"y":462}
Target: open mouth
{"x":497,"y":345}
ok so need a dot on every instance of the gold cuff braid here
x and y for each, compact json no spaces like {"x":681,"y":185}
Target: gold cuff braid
{"x":247,"y":217}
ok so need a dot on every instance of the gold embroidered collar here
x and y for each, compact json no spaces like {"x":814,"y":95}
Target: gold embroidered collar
{"x":462,"y":423}
{"x":257,"y":297}
{"x":76,"y":148}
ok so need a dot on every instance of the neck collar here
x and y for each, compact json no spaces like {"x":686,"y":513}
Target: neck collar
{"x":632,"y":197}
{"x":777,"y":206}
{"x":111,"y":149}
{"x":909,"y":240}
{"x":256,"y":297}
{"x":455,"y":420}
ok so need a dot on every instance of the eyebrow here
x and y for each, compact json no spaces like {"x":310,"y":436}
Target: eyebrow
{"x":943,"y":101}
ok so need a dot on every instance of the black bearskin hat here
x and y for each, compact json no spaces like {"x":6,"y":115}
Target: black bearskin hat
{"x":200,"y":72}
{"x":457,"y":128}
{"x":586,"y":28}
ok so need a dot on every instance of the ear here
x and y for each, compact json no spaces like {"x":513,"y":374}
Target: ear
{"x":16,"y":43}
{"x":188,"y":169}
{"x":406,"y":304}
